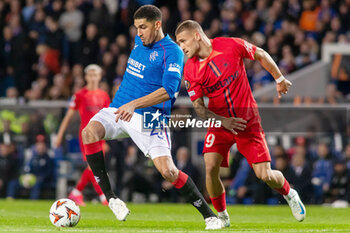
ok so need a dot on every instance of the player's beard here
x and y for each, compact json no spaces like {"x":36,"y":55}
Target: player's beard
{"x":153,"y":37}
{"x":147,"y":44}
{"x":144,"y":42}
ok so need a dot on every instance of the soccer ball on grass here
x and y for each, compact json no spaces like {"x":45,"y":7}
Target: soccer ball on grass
{"x":64,"y":213}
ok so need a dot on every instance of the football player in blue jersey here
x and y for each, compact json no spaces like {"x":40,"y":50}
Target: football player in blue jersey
{"x":150,"y":85}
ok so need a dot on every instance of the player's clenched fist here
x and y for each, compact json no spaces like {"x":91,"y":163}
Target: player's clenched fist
{"x":282,"y":87}
{"x":233,"y":123}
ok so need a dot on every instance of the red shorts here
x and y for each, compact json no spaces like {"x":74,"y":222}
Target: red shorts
{"x":251,"y":143}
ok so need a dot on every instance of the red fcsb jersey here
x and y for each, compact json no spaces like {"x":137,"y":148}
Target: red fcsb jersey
{"x":223,"y":79}
{"x":89,"y":103}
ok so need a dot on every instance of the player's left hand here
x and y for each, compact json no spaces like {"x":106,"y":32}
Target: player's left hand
{"x":282,"y":87}
{"x":125,"y":112}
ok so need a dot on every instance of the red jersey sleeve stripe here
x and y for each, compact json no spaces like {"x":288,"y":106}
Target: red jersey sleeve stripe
{"x":214,"y":69}
{"x":229,"y":103}
{"x":233,"y":108}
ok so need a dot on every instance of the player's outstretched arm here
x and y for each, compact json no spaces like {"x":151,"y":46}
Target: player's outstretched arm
{"x":230,"y":123}
{"x":126,"y":111}
{"x":64,"y":125}
{"x":269,"y":64}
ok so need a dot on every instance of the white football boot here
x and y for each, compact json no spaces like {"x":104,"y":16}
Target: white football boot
{"x":225,"y":218}
{"x":119,"y":208}
{"x":213,"y":223}
{"x":297,"y":207}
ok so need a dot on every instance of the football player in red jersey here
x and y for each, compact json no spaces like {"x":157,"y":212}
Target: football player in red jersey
{"x":88,"y":101}
{"x":215,"y":69}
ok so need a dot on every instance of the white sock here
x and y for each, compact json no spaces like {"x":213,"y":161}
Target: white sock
{"x":223,"y":213}
{"x":76,"y":192}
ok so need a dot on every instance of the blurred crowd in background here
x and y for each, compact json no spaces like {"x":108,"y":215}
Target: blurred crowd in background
{"x":45,"y":44}
{"x":314,"y":163}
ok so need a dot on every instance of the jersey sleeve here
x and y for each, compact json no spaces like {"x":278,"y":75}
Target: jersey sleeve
{"x":173,"y":72}
{"x":246,"y":49}
{"x":74,"y":102}
{"x":194,"y":88}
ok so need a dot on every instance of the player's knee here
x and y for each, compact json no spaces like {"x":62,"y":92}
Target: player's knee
{"x":169,"y":174}
{"x":87,"y":135}
{"x":211,"y":170}
{"x":265,"y":176}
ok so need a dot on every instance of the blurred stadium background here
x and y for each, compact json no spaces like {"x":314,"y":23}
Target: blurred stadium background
{"x":46,"y":43}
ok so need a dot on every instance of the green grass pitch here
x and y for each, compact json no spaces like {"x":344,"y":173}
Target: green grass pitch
{"x":33,"y":216}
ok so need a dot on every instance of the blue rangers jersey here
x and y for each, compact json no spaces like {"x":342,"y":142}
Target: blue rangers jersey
{"x":150,"y":68}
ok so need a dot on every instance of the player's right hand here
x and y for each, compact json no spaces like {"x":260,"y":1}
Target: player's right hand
{"x":282,"y":87}
{"x":234,"y":123}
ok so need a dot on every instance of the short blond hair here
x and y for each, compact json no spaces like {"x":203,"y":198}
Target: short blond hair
{"x":188,"y":25}
{"x":95,"y":67}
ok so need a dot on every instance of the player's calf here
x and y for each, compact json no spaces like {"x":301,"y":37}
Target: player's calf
{"x":95,"y":159}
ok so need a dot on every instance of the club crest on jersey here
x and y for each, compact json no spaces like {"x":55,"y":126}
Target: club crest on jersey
{"x":153,"y":56}
{"x":187,"y":84}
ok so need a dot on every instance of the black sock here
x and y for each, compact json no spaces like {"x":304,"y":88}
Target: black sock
{"x":96,"y":162}
{"x":190,"y":191}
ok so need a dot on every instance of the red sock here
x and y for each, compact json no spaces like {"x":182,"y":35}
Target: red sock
{"x":219,"y":202}
{"x":84,"y":180}
{"x":87,"y":175}
{"x":94,"y":183}
{"x":92,"y":148}
{"x":285,"y":188}
{"x":181,"y":180}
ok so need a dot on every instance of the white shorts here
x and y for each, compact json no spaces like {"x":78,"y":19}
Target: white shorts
{"x":153,"y":143}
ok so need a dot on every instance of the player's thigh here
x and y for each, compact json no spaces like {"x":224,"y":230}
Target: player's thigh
{"x":107,"y":128}
{"x":153,"y":143}
{"x":218,"y":142}
{"x":253,"y":147}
